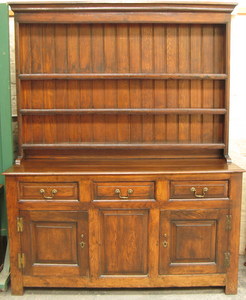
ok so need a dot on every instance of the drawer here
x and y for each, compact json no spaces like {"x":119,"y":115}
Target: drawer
{"x":48,"y":191}
{"x":199,"y":190}
{"x":124,"y":191}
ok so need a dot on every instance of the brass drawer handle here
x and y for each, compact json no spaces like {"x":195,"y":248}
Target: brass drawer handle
{"x":129,"y":192}
{"x":53,"y":192}
{"x":204,"y":190}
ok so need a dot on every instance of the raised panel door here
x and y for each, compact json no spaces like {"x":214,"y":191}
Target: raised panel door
{"x":55,"y":243}
{"x":193,"y":241}
{"x":123,"y":242}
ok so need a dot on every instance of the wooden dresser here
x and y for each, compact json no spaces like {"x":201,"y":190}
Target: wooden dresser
{"x":123,"y":177}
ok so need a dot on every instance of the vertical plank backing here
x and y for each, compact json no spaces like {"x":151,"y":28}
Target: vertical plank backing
{"x":25,"y":124}
{"x":172,"y":85}
{"x":85,"y":50}
{"x":97,"y":85}
{"x":60,"y":48}
{"x":61,"y":101}
{"x":159,"y":45}
{"x":48,"y":56}
{"x":99,"y":121}
{"x":36,"y":42}
{"x":136,"y":128}
{"x":160,"y":98}
{"x":73,"y":51}
{"x":208,"y":67}
{"x":196,"y":85}
{"x":219,"y":102}
{"x":97,"y":48}
{"x":184,"y":85}
{"x":110,"y":86}
{"x":73,"y":48}
{"x":147,"y":59}
{"x":61,"y":63}
{"x":85,"y":64}
{"x":122,"y":36}
{"x":85,"y":39}
{"x":86,"y":102}
{"x":25,"y":48}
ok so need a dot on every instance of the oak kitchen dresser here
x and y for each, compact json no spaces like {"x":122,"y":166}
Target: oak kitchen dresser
{"x":123,"y":177}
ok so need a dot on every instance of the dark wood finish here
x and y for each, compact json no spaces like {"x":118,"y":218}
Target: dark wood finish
{"x":64,"y":191}
{"x":41,"y":241}
{"x":128,"y":232}
{"x":196,"y":241}
{"x":129,"y":111}
{"x":93,"y":76}
{"x":123,"y":109}
{"x":153,"y":75}
{"x":182,"y":189}
{"x":144,"y":191}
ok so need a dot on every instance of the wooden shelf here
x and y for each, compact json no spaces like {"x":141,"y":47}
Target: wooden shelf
{"x":126,"y":146}
{"x":131,"y":111}
{"x":92,"y":76}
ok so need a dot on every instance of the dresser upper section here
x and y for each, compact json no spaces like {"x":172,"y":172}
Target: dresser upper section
{"x":123,"y":78}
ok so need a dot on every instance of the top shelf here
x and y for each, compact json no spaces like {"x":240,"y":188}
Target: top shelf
{"x":91,"y":76}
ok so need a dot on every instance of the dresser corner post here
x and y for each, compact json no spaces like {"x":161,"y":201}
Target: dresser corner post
{"x":14,"y":239}
{"x":234,"y":237}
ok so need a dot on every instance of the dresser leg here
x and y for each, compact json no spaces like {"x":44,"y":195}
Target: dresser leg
{"x":17,"y":289}
{"x":231,"y":289}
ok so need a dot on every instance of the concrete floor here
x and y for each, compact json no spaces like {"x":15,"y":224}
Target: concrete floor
{"x":135,"y":294}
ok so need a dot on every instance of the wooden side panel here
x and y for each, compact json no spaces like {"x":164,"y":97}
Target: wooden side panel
{"x":124,"y":242}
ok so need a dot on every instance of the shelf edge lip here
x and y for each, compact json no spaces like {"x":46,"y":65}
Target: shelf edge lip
{"x":125,"y":146}
{"x":155,"y":111}
{"x":171,"y":172}
{"x":118,"y":76}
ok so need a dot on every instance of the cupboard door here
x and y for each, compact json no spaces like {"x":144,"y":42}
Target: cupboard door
{"x":193,"y":241}
{"x":123,"y":241}
{"x":55,"y":243}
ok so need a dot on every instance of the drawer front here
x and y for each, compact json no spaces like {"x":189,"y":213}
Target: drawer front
{"x":124,"y":191}
{"x":199,"y":190}
{"x":49,"y":191}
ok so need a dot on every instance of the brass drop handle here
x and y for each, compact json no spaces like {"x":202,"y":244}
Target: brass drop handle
{"x":129,"y":192}
{"x":204,"y":190}
{"x":53,"y":192}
